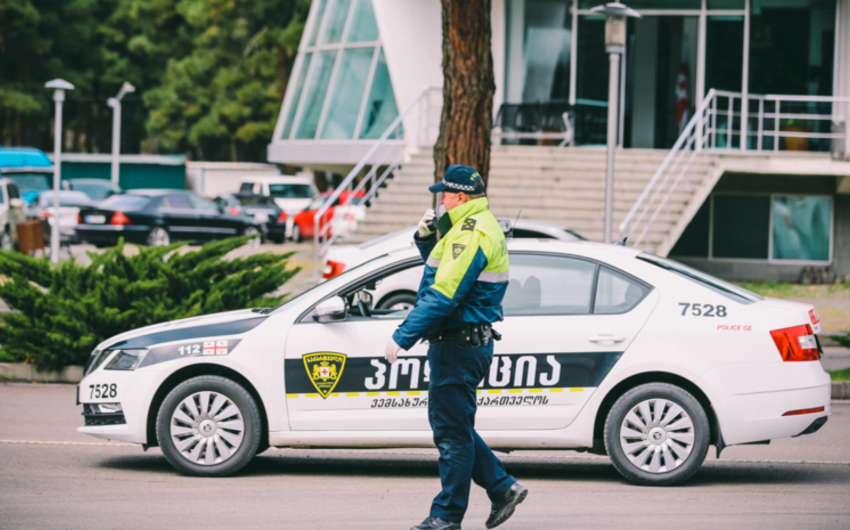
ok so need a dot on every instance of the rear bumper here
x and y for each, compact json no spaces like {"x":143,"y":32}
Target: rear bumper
{"x":751,"y":399}
{"x":109,"y":234}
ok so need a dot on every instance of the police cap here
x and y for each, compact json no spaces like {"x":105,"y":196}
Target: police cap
{"x":459,"y":179}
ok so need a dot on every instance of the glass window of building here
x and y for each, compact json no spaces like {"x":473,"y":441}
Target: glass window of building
{"x":801,"y":228}
{"x":380,"y":108}
{"x":341,"y":88}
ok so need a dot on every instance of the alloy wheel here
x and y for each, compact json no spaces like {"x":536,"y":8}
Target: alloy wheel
{"x":207,"y":428}
{"x":657,"y":435}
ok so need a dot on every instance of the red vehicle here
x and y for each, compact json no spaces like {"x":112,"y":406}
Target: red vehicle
{"x":303,"y":223}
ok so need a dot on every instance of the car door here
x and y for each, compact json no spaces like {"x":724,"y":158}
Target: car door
{"x":212,"y":223}
{"x":180,"y":217}
{"x":568,"y":320}
{"x":337,"y":378}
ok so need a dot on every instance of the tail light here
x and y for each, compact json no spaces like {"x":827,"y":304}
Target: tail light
{"x":44,"y":214}
{"x":79,"y":219}
{"x":234,"y":211}
{"x":332,"y":268}
{"x":119,"y":218}
{"x":796,"y":343}
{"x":282,"y":217}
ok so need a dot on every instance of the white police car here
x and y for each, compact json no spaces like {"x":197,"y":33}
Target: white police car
{"x":605,"y":349}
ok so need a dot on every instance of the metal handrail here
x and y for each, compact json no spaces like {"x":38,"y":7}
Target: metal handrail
{"x":320,"y":240}
{"x":701,"y":135}
{"x":691,"y":129}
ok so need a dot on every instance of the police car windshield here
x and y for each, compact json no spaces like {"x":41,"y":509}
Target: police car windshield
{"x":734,"y":292}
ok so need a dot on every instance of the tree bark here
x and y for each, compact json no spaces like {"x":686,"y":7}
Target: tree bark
{"x":468,"y":87}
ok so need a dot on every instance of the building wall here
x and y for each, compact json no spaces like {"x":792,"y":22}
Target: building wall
{"x":733,"y":269}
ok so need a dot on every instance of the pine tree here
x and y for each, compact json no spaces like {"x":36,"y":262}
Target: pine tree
{"x":60,"y":313}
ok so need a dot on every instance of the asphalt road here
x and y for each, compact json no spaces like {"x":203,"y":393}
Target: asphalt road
{"x":53,"y":477}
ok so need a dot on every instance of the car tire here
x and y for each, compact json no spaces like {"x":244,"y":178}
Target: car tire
{"x":296,"y":233}
{"x":158,"y":236}
{"x":657,"y":434}
{"x":253,"y":231}
{"x":279,"y":239}
{"x":198,"y":427}
{"x":398,"y":301}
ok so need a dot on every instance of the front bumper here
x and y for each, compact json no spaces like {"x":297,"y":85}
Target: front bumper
{"x":134,"y":390}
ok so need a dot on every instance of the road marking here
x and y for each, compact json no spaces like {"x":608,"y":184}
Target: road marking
{"x":101,"y":444}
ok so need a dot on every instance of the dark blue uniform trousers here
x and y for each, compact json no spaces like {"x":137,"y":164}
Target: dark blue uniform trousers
{"x":452,"y":396}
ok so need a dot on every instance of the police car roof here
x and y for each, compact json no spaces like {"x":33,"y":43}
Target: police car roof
{"x":583,"y":248}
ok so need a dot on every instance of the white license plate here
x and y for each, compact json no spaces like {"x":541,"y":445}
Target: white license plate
{"x":95,"y":219}
{"x":261,"y":217}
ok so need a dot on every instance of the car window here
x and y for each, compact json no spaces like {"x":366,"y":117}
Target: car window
{"x":203,"y":205}
{"x":615,"y":293}
{"x":291,"y":191}
{"x":97,"y":192}
{"x":247,"y":187}
{"x":31,"y":181}
{"x":180,"y":201}
{"x":549,"y":285}
{"x":254,"y":200}
{"x":3,"y":195}
{"x":14,"y":192}
{"x":125,"y":202}
{"x":520,"y":233}
{"x":739,"y":294}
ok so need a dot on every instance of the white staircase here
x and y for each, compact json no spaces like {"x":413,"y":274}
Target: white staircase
{"x":564,"y":186}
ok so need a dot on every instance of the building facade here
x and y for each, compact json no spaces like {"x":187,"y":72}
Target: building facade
{"x":363,"y":62}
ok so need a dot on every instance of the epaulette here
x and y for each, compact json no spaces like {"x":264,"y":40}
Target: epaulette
{"x":469,"y":224}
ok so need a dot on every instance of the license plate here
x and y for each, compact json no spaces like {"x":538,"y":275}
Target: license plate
{"x":95,"y":219}
{"x":261,"y":217}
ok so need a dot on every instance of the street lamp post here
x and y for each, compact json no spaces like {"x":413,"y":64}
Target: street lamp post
{"x":115,"y":103}
{"x":615,"y":43}
{"x":59,"y":87}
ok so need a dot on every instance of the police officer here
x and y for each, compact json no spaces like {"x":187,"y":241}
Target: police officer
{"x":460,"y":296}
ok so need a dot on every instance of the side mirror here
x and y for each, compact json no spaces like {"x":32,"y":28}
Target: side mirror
{"x":331,"y":310}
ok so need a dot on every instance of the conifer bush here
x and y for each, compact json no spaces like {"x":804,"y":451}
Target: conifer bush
{"x":59,"y":313}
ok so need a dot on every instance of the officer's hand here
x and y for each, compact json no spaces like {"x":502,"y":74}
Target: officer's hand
{"x":424,"y":231}
{"x":391,"y":353}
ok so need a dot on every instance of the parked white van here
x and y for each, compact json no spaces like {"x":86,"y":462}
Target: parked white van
{"x":291,"y":193}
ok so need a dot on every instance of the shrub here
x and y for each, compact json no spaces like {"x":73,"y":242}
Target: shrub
{"x":60,"y":313}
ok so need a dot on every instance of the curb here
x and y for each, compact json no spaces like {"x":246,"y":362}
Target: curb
{"x":27,"y":372}
{"x":841,"y":390}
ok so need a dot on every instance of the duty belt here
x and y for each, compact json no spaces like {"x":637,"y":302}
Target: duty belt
{"x":468,"y":336}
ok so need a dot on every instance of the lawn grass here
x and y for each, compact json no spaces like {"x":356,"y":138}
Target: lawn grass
{"x":840,"y":375}
{"x":793,"y":291}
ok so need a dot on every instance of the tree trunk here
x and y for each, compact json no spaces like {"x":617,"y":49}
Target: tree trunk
{"x":234,"y":156}
{"x":468,"y":87}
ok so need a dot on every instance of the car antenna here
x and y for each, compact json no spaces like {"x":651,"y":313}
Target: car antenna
{"x":622,"y":242}
{"x":511,"y":231}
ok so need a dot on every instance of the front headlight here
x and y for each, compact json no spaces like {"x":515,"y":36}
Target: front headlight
{"x":127,"y":360}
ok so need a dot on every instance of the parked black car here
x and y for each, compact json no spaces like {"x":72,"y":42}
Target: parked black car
{"x":261,"y":207}
{"x":96,"y":189}
{"x":158,"y":217}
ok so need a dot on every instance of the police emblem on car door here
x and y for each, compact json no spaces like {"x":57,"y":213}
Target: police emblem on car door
{"x":324,"y":370}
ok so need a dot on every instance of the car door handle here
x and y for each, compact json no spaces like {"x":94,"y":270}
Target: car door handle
{"x":606,"y":338}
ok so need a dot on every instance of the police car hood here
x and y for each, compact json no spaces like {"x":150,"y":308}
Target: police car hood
{"x":218,"y":324}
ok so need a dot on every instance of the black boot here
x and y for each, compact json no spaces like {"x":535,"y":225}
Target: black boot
{"x":435,"y":523}
{"x":502,"y":510}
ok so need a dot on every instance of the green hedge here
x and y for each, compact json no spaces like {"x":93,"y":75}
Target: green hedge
{"x":60,"y":313}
